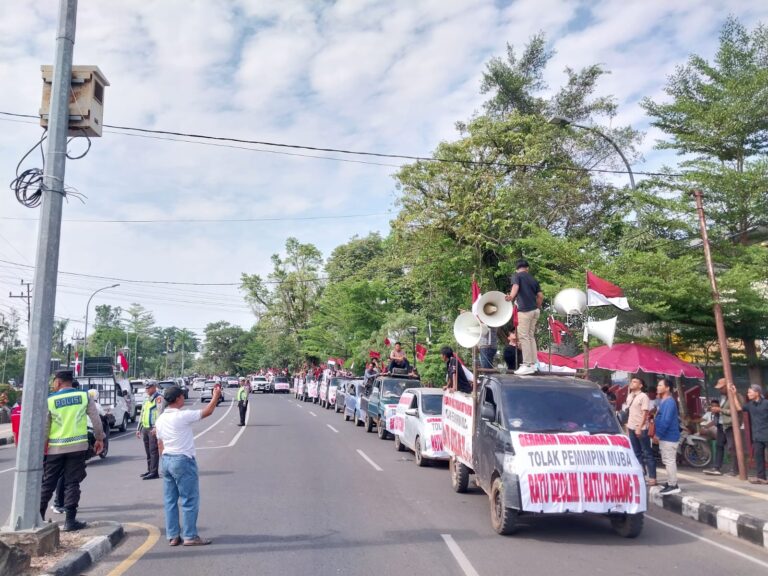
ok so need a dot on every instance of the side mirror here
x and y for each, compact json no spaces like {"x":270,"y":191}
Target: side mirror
{"x":412,"y":412}
{"x":488,"y":412}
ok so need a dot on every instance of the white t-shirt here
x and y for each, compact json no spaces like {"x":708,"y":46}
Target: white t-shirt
{"x":174,"y":428}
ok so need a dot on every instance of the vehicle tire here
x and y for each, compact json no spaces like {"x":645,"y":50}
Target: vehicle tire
{"x":368,"y":424}
{"x":627,"y":525}
{"x":420,"y":460}
{"x":124,"y":424}
{"x":336,"y":408}
{"x":357,"y":420}
{"x":698,"y":454}
{"x":346,"y":417}
{"x":459,"y":475}
{"x":399,"y":446}
{"x":503,"y":519}
{"x":381,"y":430}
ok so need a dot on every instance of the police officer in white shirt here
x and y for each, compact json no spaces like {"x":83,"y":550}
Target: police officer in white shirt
{"x":180,"y":478}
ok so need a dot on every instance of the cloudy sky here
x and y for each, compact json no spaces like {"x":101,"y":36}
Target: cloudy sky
{"x":387,"y":76}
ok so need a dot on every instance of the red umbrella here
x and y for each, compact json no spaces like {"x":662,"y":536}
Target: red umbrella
{"x":639,"y":358}
{"x":558,"y":360}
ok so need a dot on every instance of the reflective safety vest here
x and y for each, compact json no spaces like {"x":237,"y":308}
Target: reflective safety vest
{"x":69,"y":418}
{"x":242,"y":394}
{"x":149,"y":411}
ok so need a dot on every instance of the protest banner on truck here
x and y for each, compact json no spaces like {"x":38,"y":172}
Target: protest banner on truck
{"x":458,"y":417}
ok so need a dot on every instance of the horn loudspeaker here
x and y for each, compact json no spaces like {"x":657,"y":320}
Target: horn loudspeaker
{"x":603,"y":330}
{"x":570,"y":301}
{"x":468,"y":330}
{"x":492,"y":309}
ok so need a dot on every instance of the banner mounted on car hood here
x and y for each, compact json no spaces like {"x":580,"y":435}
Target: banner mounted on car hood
{"x":577,"y":473}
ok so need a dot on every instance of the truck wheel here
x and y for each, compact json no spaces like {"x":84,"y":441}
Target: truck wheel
{"x":627,"y":525}
{"x":459,"y":475}
{"x":503,"y":519}
{"x":368,"y":424}
{"x":336,"y":408}
{"x":124,"y":424}
{"x":420,"y":460}
{"x":399,"y":446}
{"x":357,"y":420}
{"x":381,"y":430}
{"x":346,"y":417}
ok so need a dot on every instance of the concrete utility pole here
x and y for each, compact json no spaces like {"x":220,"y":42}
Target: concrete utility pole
{"x":722,"y":338}
{"x":25,"y":506}
{"x":27,"y":296}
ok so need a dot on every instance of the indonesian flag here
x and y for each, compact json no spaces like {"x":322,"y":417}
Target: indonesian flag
{"x":421,"y":352}
{"x":557,"y":328}
{"x":374,"y":354}
{"x":467,"y":372}
{"x":387,"y":342}
{"x":77,"y":364}
{"x":602,"y":293}
{"x":475,"y":290}
{"x":123,"y":361}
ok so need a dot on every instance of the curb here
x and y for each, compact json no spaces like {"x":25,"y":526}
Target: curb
{"x":91,"y":552}
{"x":728,"y":520}
{"x":6,"y":440}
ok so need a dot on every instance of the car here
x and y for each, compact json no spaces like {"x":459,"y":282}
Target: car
{"x":352,"y":394}
{"x":544,"y":445}
{"x":163,"y":385}
{"x":301,"y":387}
{"x":232,"y":383}
{"x":198,"y":384}
{"x":139,"y":395}
{"x":207,"y":394}
{"x":281,"y":385}
{"x":313,"y":391}
{"x":259,"y":384}
{"x":418,"y":424}
{"x":380,"y":402}
{"x":322,"y":392}
{"x":181,"y":383}
{"x":333,"y":385}
{"x":338,"y":397}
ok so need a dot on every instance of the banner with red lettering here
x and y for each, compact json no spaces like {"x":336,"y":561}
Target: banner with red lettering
{"x":457,"y":426}
{"x":577,"y":473}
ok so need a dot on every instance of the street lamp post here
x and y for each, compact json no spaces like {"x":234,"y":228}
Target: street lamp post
{"x":87,"y":306}
{"x":562,"y":122}
{"x":413,"y":330}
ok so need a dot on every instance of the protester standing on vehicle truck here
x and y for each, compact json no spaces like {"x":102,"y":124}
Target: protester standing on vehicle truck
{"x":527,"y":292}
{"x":668,"y":435}
{"x":455,"y":379}
{"x":67,"y":445}
{"x":151,"y":409}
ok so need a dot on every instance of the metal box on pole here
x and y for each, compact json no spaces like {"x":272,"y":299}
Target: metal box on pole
{"x":86,"y":100}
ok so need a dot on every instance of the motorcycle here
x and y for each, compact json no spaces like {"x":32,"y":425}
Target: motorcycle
{"x":692,"y":449}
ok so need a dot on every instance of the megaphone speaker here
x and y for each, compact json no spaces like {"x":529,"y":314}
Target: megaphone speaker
{"x":468,"y":330}
{"x":492,"y":309}
{"x":570,"y":301}
{"x":603,"y":330}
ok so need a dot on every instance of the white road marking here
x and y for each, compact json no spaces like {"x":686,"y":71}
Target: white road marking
{"x":299,"y":406}
{"x":460,"y":557}
{"x":242,"y":428}
{"x":371,"y":462}
{"x":313,"y":414}
{"x":332,"y":428}
{"x":8,"y":470}
{"x":708,"y":541}
{"x":215,"y":423}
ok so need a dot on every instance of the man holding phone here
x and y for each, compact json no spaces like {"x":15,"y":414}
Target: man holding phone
{"x":180,"y":477}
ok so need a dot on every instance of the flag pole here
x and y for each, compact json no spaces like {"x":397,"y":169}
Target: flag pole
{"x":549,"y":323}
{"x":586,"y":333}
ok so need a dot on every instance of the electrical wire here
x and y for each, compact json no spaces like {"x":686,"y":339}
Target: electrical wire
{"x":28,"y":185}
{"x":203,"y":220}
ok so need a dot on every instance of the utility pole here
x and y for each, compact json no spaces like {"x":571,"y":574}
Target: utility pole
{"x":25,"y":506}
{"x":722,"y":338}
{"x":27,"y":297}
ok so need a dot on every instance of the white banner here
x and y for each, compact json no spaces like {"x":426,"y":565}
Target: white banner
{"x":458,"y":416}
{"x":577,"y":473}
{"x":398,"y":421}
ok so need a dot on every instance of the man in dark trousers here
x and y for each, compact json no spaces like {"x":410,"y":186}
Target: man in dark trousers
{"x":527,"y":292}
{"x":724,"y":441}
{"x":455,"y":379}
{"x":242,"y":400}
{"x":150,"y":410}
{"x":67,"y":434}
{"x":757,"y":408}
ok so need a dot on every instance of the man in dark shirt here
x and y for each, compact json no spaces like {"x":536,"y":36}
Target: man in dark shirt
{"x":527,"y":292}
{"x":757,"y":408}
{"x":455,"y":379}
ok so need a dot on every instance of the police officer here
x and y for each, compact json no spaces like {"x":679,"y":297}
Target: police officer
{"x":67,"y":433}
{"x":150,"y":410}
{"x":242,"y":400}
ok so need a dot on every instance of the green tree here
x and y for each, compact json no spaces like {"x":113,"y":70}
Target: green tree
{"x":224,"y":347}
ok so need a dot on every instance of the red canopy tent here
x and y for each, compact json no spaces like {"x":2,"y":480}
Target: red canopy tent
{"x":639,"y":358}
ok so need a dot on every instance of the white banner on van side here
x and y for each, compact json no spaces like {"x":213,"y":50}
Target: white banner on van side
{"x":458,"y":415}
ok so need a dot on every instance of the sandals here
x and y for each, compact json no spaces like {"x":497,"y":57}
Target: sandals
{"x":174,"y":541}
{"x":196,"y":541}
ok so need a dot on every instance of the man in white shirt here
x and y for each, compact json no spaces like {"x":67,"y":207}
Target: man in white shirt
{"x":177,"y":449}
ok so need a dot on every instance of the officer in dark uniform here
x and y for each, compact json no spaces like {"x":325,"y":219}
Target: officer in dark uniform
{"x":67,"y":434}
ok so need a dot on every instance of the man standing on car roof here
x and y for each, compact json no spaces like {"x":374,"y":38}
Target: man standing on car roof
{"x":150,"y":410}
{"x":242,"y":400}
{"x":67,"y":446}
{"x":527,"y":292}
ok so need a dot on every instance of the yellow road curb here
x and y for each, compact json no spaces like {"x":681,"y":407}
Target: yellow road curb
{"x":152,"y":537}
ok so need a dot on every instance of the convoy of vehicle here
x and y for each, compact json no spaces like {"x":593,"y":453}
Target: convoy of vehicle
{"x":281,"y":385}
{"x":379,"y":402}
{"x":418,"y":424}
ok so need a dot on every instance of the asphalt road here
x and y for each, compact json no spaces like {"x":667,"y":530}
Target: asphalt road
{"x":292,"y":494}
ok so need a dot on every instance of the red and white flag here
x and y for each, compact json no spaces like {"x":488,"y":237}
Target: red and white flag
{"x":123,"y":361}
{"x":475,"y":290}
{"x":421,"y":352}
{"x":602,"y":293}
{"x":557,"y":329}
{"x":77,"y":365}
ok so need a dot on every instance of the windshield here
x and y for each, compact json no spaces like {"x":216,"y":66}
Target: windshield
{"x":432,"y":404}
{"x":281,"y":379}
{"x":394,"y":388}
{"x":558,"y":410}
{"x":337,"y":381}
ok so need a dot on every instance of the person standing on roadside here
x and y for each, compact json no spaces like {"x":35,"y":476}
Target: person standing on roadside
{"x":150,"y":410}
{"x":67,"y":445}
{"x":723,"y":423}
{"x":180,"y":476}
{"x":668,"y":435}
{"x":242,"y":401}
{"x":637,"y":428}
{"x":527,"y":292}
{"x":757,"y":408}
